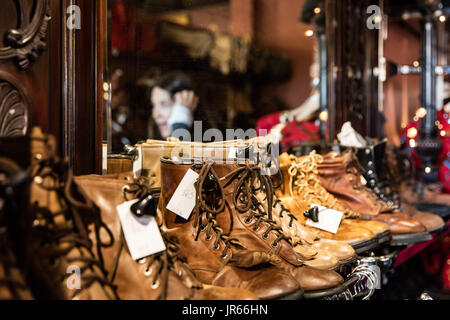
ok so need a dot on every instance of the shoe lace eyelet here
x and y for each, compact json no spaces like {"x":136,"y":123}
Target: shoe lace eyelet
{"x":148,"y":272}
{"x":255,"y":228}
{"x":155,"y":284}
{"x":275,"y":245}
{"x":248,"y":221}
{"x":216,"y":248}
{"x":208,"y":238}
{"x":265,"y":236}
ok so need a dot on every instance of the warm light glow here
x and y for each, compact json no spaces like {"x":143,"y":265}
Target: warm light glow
{"x":427,"y":170}
{"x":323,"y":116}
{"x":412,"y":143}
{"x":412,"y":133}
{"x":403,"y":125}
{"x":316,"y":10}
{"x":377,"y":19}
{"x":309,"y":33}
{"x":442,"y":133}
{"x":416,"y":63}
{"x":442,"y":18}
{"x":421,"y":112}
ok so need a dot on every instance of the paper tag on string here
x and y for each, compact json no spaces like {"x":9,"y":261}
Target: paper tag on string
{"x":329,"y":219}
{"x":183,"y":199}
{"x":142,"y":234}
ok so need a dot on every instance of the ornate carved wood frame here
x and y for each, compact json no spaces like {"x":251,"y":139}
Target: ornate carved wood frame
{"x":26,"y":43}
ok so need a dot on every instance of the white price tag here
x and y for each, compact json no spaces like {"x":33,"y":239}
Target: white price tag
{"x":183,"y":199}
{"x":329,"y":219}
{"x":141,"y":233}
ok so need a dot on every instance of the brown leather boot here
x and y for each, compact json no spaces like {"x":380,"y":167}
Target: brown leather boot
{"x":301,"y":189}
{"x":254,"y":229}
{"x":52,"y":234}
{"x":340,"y":175}
{"x":215,"y":257}
{"x":161,"y":276}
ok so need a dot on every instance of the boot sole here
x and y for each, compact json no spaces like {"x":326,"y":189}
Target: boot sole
{"x":328,"y":293}
{"x":409,"y":238}
{"x":345,"y":266}
{"x":297,"y":295}
{"x":384,"y":237}
{"x":437,"y":229}
{"x":365,"y":245}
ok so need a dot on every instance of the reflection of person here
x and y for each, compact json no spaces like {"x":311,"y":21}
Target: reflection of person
{"x":174,"y":102}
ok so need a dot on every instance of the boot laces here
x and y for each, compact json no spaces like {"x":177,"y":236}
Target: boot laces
{"x":303,"y":176}
{"x":250,"y":181}
{"x":165,"y":261}
{"x":207,"y":206}
{"x":77,"y":214}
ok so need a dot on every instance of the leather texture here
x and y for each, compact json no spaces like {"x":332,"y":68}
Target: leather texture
{"x":134,"y":279}
{"x":340,"y":176}
{"x":301,"y":189}
{"x":254,"y":236}
{"x":53,"y":232}
{"x":207,"y":260}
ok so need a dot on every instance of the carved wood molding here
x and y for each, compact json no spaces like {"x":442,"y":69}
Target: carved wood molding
{"x":14,"y":108}
{"x":25,"y":44}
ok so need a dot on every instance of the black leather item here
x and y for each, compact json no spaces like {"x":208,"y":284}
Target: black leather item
{"x":371,"y":160}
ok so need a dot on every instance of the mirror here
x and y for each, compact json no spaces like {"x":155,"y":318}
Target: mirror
{"x":246,"y":59}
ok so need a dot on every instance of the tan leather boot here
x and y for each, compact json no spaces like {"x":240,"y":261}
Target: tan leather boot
{"x":161,"y":276}
{"x":319,"y":253}
{"x":305,"y":241}
{"x":254,"y":229}
{"x":340,"y":175}
{"x":215,"y":257}
{"x":301,"y":189}
{"x":53,"y":243}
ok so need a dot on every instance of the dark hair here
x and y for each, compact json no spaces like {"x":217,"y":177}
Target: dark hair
{"x":174,"y":82}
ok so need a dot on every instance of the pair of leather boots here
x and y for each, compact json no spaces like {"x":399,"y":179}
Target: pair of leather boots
{"x":342,"y":175}
{"x":325,"y":254}
{"x":300,"y":252}
{"x":162,"y":276}
{"x":301,"y":190}
{"x":44,"y":219}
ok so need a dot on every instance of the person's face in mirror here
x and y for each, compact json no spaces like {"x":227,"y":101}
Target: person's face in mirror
{"x":162,"y":107}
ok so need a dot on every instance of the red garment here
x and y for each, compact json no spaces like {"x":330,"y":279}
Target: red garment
{"x":294,"y":133}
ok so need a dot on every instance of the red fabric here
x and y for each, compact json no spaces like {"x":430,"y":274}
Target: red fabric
{"x":123,"y":26}
{"x":444,"y":156}
{"x":294,"y":133}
